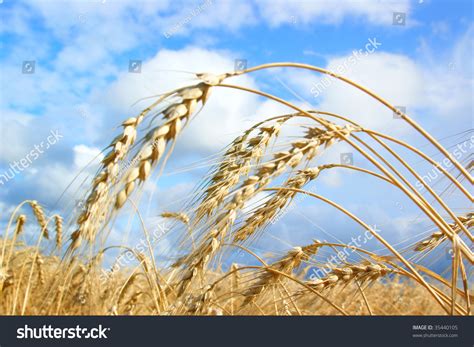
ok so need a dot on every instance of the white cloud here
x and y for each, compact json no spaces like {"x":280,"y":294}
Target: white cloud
{"x":208,"y":14}
{"x":85,"y":156}
{"x":13,"y":145}
{"x":449,"y":80}
{"x":52,"y":180}
{"x":277,"y":12}
{"x":227,"y":113}
{"x":394,"y":77}
{"x":432,"y":88}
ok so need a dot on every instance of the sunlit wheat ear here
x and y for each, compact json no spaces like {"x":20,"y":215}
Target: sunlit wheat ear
{"x":306,"y":148}
{"x":96,"y":204}
{"x":270,"y":209}
{"x":40,"y":217}
{"x":6,"y":274}
{"x":176,"y":117}
{"x":83,"y":292}
{"x":39,"y":263}
{"x":180,"y":216}
{"x":438,"y":237}
{"x":200,"y":304}
{"x":286,"y":264}
{"x":20,"y":224}
{"x":350,"y":273}
{"x":243,"y":152}
{"x":127,"y":288}
{"x":235,"y":276}
{"x":6,"y":277}
{"x":199,"y":257}
{"x":58,"y":222}
{"x":131,"y":304}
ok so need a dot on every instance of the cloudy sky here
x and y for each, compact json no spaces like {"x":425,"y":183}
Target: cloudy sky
{"x":71,"y":71}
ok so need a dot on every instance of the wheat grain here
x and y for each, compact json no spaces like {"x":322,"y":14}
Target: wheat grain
{"x":40,"y":217}
{"x":20,"y":224}
{"x":273,"y":206}
{"x":39,"y":264}
{"x":58,"y":221}
{"x":183,"y":217}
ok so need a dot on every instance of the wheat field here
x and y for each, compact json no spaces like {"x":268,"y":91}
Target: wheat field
{"x":65,"y":272}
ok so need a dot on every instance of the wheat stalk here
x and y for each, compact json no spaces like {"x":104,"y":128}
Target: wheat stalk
{"x":405,"y":117}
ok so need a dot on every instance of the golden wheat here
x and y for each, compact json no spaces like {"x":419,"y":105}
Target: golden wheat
{"x":221,"y":218}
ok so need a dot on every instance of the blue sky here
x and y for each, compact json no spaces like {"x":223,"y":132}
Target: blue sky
{"x":82,"y":87}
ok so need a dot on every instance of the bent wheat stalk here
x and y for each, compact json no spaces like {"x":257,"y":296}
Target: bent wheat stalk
{"x":426,"y":208}
{"x":405,"y":117}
